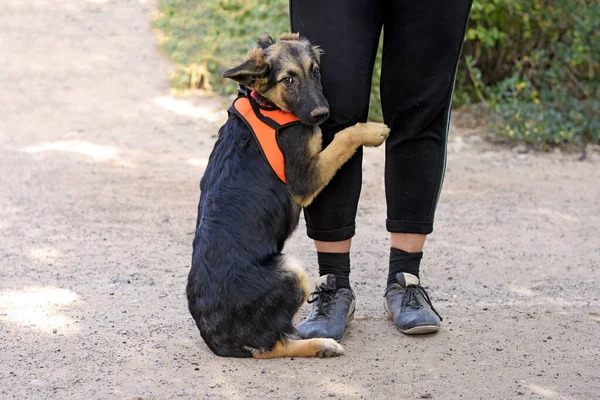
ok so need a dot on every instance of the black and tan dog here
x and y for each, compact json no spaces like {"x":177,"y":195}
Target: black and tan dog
{"x":242,"y":291}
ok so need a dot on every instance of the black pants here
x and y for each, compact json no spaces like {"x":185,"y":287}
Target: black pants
{"x":422,"y":43}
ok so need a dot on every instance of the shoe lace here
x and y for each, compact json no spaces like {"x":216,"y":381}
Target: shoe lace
{"x":324,"y":296}
{"x":410,"y":298}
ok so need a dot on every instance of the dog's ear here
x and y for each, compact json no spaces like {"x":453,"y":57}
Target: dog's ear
{"x":250,"y":70}
{"x":265,"y":41}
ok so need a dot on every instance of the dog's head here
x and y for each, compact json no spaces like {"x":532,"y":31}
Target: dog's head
{"x":287,"y":74}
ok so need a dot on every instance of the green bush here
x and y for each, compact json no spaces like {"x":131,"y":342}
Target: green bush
{"x":536,"y":63}
{"x":205,"y":38}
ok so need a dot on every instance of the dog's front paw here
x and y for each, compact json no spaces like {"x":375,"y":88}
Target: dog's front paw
{"x":373,"y":134}
{"x":330,"y":348}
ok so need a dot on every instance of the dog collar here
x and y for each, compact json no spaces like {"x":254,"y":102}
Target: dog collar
{"x":262,"y":101}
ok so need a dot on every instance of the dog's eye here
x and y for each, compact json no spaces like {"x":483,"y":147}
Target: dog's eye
{"x":288,"y":81}
{"x":316,"y":72}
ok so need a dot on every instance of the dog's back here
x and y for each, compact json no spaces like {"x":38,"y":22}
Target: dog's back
{"x":239,"y":291}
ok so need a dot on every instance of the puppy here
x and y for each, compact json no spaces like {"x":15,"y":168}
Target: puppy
{"x":242,"y":291}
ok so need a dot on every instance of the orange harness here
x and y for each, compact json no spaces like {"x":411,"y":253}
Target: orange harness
{"x":265,"y":125}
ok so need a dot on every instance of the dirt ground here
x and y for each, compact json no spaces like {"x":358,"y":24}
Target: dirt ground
{"x":98,"y":192}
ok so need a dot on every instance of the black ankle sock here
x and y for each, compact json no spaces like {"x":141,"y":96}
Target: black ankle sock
{"x":402,"y":261}
{"x":337,"y":264}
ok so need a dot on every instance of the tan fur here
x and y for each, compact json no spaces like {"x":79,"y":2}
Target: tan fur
{"x":259,"y":85}
{"x":274,"y":52}
{"x":275,"y":95}
{"x":315,"y":143}
{"x":291,"y":68}
{"x":289,"y":36}
{"x":308,"y":64}
{"x":343,"y":146}
{"x":317,"y":52}
{"x":256,"y":54}
{"x":292,"y":265}
{"x":303,"y":348}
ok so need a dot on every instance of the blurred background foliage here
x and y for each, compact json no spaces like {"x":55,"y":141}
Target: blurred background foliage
{"x":533,"y":65}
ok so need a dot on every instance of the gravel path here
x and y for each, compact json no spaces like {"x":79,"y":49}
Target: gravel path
{"x":98,"y":192}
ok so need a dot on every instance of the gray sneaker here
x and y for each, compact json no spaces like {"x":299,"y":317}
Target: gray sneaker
{"x":333,"y":309}
{"x":408,"y":304}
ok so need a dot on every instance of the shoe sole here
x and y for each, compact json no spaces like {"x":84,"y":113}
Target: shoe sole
{"x":420,"y":330}
{"x":417,"y":330}
{"x":350,"y":317}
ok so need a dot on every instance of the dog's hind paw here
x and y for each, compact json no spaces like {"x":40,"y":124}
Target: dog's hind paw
{"x":330,"y":348}
{"x":373,"y":134}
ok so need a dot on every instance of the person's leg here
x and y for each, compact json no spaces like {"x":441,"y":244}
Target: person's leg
{"x":411,"y":242}
{"x":422,"y":43}
{"x":348,"y":33}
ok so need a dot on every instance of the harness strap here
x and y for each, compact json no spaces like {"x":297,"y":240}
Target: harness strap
{"x":264,"y":125}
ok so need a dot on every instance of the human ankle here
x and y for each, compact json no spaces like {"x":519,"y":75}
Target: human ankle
{"x":403,"y":261}
{"x":337,"y":264}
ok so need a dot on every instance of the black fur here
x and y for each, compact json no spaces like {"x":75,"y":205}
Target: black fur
{"x":238,"y":294}
{"x":293,"y":142}
{"x":265,"y":42}
{"x":241,"y":290}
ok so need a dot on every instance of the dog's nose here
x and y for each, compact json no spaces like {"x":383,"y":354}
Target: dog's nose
{"x":320,"y":114}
